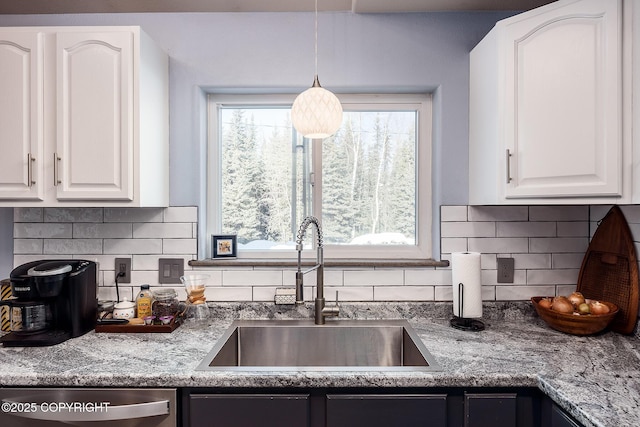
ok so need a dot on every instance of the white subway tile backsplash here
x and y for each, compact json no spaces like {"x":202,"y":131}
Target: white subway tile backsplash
{"x":419,"y":277}
{"x":41,"y":230}
{"x":150,"y":262}
{"x":631,"y":213}
{"x":264,"y":293}
{"x":498,"y":213}
{"x":519,"y":293}
{"x":558,"y":213}
{"x":453,"y":244}
{"x":453,"y":213}
{"x":133,"y":214}
{"x":149,"y":277}
{"x":229,"y":294}
{"x":558,"y":244}
{"x":573,"y":228}
{"x":468,"y":229}
{"x":102,"y":231}
{"x":73,"y":215}
{"x":547,"y":243}
{"x":373,"y":277}
{"x":181,"y":214}
{"x":597,"y":212}
{"x":132,"y":246}
{"x":525,"y":229}
{"x":564,"y":260}
{"x":28,"y":214}
{"x":347,"y":293}
{"x":555,"y":277}
{"x":403,"y":293}
{"x":531,"y":261}
{"x":161,"y":230}
{"x":564,"y":290}
{"x":72,"y":246}
{"x":252,"y":278}
{"x":179,"y":246}
{"x":499,"y":245}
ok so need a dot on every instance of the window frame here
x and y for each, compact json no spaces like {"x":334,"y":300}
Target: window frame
{"x":422,"y":103}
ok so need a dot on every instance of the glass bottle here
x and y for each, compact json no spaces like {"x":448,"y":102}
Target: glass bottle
{"x":144,"y":302}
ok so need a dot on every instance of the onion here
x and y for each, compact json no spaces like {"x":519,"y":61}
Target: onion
{"x":576,"y":299}
{"x":562,"y":305}
{"x":545,"y":303}
{"x":584,"y":308}
{"x":599,"y":308}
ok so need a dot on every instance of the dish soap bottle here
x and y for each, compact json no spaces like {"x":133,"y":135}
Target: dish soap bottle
{"x":144,"y":301}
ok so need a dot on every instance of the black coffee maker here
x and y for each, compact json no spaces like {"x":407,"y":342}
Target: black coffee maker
{"x":53,"y":300}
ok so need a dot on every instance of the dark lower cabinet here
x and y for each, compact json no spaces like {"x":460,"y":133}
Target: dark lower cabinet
{"x":249,"y":410}
{"x":490,"y":410}
{"x":558,"y":417}
{"x":371,"y":407}
{"x":402,"y":410}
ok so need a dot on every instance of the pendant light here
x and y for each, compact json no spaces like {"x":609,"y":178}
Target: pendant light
{"x":316,"y":112}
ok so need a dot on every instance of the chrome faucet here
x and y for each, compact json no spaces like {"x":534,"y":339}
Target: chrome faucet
{"x":321,"y":311}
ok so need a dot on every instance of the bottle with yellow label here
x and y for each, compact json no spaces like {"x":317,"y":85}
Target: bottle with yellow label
{"x":144,"y":301}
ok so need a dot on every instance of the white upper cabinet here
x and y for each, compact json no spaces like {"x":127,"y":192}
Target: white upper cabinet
{"x":104,"y":119}
{"x":546,"y":107}
{"x":94,"y":158}
{"x":21,"y":115}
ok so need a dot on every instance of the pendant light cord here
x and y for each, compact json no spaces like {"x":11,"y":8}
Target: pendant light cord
{"x":316,"y":40}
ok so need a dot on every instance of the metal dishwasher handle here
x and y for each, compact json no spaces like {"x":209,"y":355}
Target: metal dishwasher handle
{"x":110,"y":413}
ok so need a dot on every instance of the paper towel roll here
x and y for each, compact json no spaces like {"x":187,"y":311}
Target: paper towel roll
{"x":465,"y":269}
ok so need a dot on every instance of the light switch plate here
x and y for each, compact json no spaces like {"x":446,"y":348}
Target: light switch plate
{"x":170,"y":270}
{"x":505,"y":270}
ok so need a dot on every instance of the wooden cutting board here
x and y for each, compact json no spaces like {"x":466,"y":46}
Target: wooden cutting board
{"x":609,"y":270}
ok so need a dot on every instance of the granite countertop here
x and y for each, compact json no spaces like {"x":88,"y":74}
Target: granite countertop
{"x":596,"y":379}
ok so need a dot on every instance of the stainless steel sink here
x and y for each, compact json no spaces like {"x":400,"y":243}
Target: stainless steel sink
{"x":361,"y":345}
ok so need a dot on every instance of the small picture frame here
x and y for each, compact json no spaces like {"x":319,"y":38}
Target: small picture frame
{"x":224,"y":246}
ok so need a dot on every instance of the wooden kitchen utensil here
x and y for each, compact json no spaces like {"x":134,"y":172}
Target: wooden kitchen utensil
{"x":609,"y":270}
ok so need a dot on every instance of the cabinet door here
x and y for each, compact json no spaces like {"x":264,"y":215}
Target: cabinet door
{"x":424,"y":410}
{"x":21,"y":115}
{"x":94,"y":155}
{"x":559,"y":418}
{"x":563,"y":101}
{"x":490,"y":410}
{"x":249,"y":410}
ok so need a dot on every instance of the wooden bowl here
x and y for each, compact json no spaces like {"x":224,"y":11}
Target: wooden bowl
{"x":585,"y":324}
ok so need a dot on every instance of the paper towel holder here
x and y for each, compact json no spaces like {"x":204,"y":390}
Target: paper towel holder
{"x":464,"y":323}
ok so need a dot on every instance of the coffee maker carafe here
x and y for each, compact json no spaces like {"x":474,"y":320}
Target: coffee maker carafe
{"x":53,"y":300}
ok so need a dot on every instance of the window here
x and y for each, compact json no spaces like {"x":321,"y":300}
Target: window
{"x":369,"y":184}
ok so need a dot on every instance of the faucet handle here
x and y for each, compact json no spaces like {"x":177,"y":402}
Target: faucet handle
{"x":336,"y":298}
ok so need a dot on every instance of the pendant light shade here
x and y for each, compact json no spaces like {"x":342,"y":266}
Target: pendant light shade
{"x":316,"y":113}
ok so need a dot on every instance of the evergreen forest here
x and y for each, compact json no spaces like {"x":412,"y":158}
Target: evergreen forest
{"x":368,"y":178}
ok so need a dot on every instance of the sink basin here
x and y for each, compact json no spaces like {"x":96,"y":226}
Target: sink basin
{"x":361,"y":345}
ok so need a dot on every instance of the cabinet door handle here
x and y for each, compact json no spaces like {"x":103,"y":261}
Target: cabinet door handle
{"x":508,"y":166}
{"x":30,"y":161}
{"x":134,"y":411}
{"x":56,"y":167}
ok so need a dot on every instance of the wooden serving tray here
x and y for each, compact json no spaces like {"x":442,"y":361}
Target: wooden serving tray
{"x":126,"y":328}
{"x":609,"y":270}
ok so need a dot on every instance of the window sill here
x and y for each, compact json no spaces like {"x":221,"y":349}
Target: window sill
{"x":248,"y":262}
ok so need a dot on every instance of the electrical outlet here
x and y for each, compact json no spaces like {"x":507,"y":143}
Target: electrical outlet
{"x":170,"y":270}
{"x":123,"y":265}
{"x":505,"y":270}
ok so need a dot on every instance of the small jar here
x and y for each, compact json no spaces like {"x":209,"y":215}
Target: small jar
{"x":165,"y":302}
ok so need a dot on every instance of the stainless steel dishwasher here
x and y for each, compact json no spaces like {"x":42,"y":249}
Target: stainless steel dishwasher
{"x":125,"y":407}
